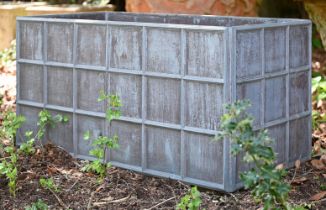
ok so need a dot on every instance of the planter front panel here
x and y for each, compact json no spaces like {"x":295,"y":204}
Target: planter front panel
{"x":173,"y":74}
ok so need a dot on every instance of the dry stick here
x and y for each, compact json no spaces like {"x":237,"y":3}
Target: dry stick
{"x":89,"y":205}
{"x":73,"y":185}
{"x":59,"y":199}
{"x":175,"y":197}
{"x":153,"y":207}
{"x":114,"y":201}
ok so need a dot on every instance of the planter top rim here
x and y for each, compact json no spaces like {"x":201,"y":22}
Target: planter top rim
{"x":167,"y":20}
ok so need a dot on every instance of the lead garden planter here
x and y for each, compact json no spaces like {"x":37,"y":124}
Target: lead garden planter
{"x":173,"y":74}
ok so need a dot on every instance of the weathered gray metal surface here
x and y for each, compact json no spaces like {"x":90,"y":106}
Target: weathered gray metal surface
{"x":173,"y":73}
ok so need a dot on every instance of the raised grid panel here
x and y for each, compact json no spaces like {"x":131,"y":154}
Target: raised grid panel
{"x":299,"y":51}
{"x":59,"y":87}
{"x":299,"y":93}
{"x":89,"y":84}
{"x":31,"y":115}
{"x":251,"y":62}
{"x":94,"y":125}
{"x":164,"y":50}
{"x":248,"y":54}
{"x":163,"y":100}
{"x":163,"y":149}
{"x":60,"y":42}
{"x":275,"y":98}
{"x":31,"y":40}
{"x":299,"y":139}
{"x":204,"y":157}
{"x":278,"y":135}
{"x":248,"y":91}
{"x":205,"y":54}
{"x":62,"y":133}
{"x":91,"y":42}
{"x":203,"y":105}
{"x":126,"y":47}
{"x":31,"y":82}
{"x":129,"y":151}
{"x":128,"y":88}
{"x":275,"y":49}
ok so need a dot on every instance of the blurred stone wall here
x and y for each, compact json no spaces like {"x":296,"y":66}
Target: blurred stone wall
{"x":208,"y":7}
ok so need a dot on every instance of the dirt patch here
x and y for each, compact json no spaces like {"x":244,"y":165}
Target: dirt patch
{"x":124,"y":189}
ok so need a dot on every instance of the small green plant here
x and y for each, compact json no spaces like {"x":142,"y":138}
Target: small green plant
{"x":264,"y":180}
{"x":46,"y":120}
{"x":49,"y":184}
{"x":191,"y":201}
{"x":8,"y":55}
{"x":38,"y":205}
{"x":318,"y":90}
{"x":8,"y":130}
{"x":102,"y":144}
{"x":11,"y":123}
{"x":8,"y":166}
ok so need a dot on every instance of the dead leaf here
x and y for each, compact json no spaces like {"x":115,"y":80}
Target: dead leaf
{"x":318,"y":164}
{"x":299,"y":181}
{"x":323,"y":159}
{"x":52,"y":170}
{"x":318,"y":196}
{"x":297,"y":164}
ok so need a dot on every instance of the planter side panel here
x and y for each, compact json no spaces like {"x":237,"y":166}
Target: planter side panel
{"x":273,"y":72}
{"x":170,"y":80}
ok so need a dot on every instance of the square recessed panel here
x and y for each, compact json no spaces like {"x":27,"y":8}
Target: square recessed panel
{"x":299,"y":93}
{"x":204,"y":157}
{"x":31,"y":115}
{"x":203,"y":105}
{"x":248,"y":54}
{"x":61,"y":134}
{"x":31,"y":40}
{"x":205,"y":54}
{"x":60,"y":86}
{"x":31,"y":82}
{"x":163,"y":50}
{"x":275,"y":49}
{"x":163,"y":149}
{"x":89,"y":85}
{"x":91,"y":44}
{"x":128,"y":88}
{"x":60,"y":42}
{"x":278,"y":135}
{"x":275,"y":98}
{"x":299,"y":139}
{"x":163,"y":100}
{"x":299,"y":43}
{"x":94,"y":125}
{"x":126,"y":47}
{"x":129,"y":151}
{"x":252,"y":92}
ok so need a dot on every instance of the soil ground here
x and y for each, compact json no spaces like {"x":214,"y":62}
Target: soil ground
{"x":123,"y":189}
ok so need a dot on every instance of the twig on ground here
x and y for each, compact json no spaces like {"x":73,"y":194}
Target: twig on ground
{"x":72,"y":185}
{"x":235,"y":198}
{"x":113,"y":201}
{"x":59,"y":199}
{"x":89,"y":205}
{"x":167,"y":200}
{"x":175,"y":197}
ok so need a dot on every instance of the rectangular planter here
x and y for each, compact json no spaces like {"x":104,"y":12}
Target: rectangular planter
{"x":173,"y":74}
